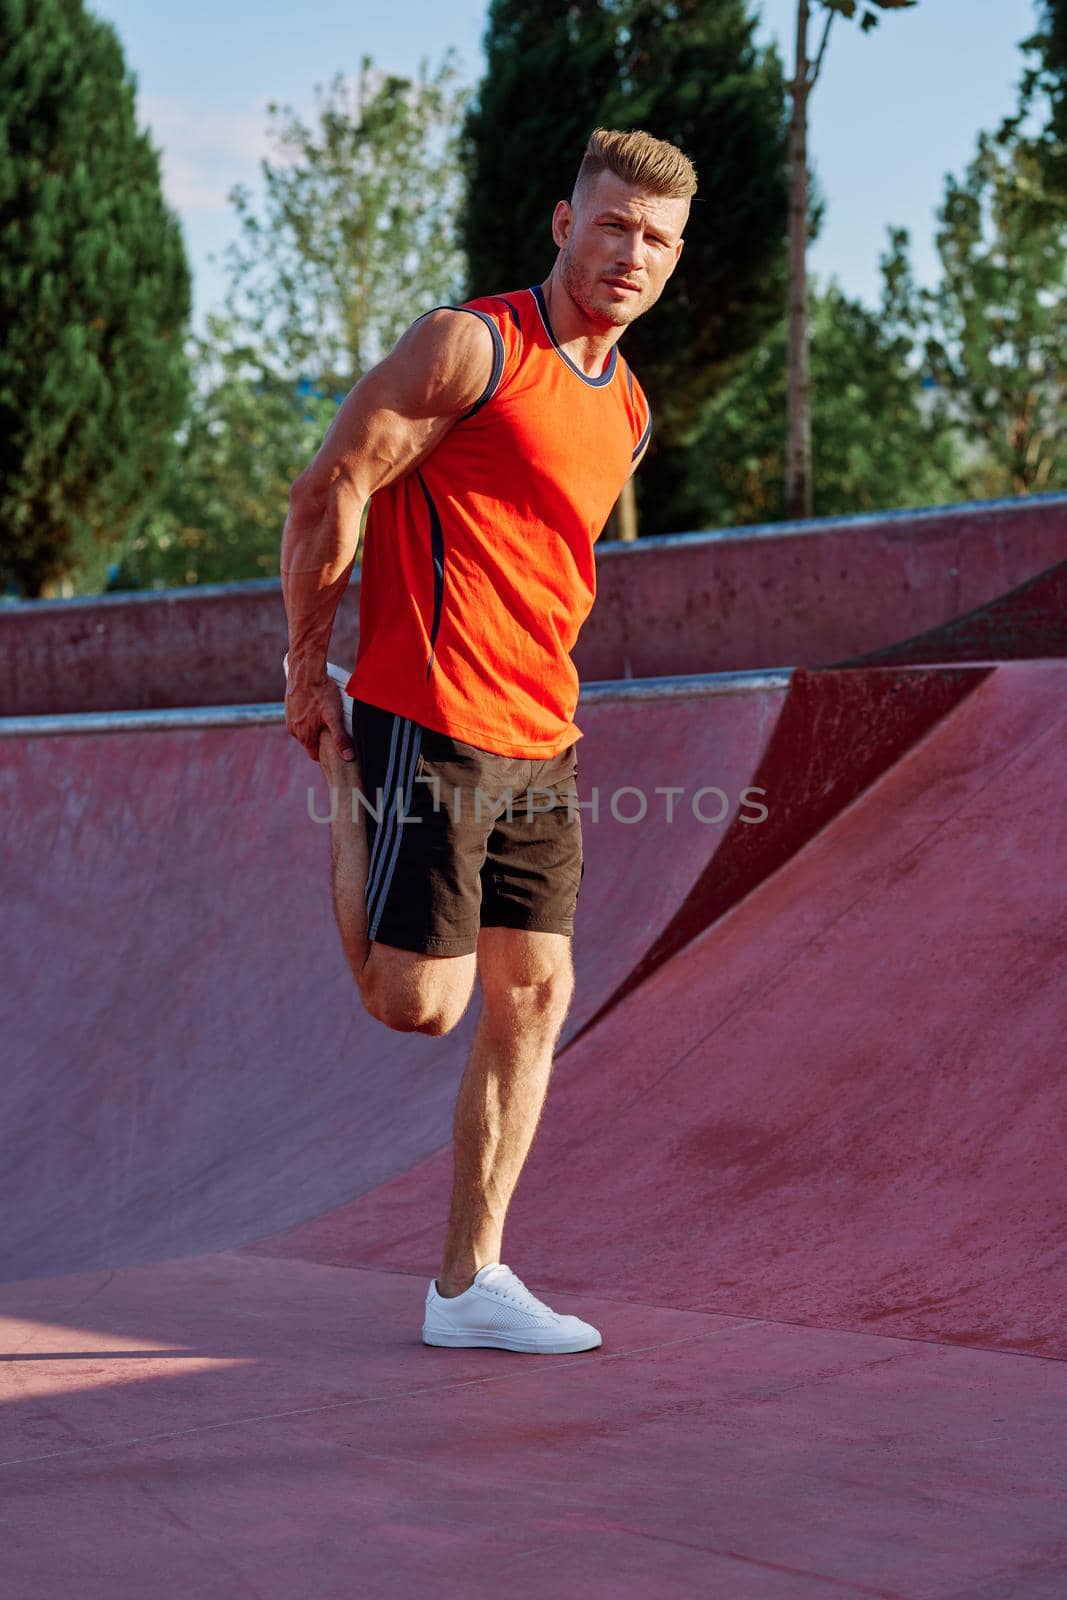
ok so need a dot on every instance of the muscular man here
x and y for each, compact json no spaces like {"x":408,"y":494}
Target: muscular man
{"x":494,"y":439}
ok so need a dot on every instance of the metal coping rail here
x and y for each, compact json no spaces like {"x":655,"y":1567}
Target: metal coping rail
{"x":184,"y":718}
{"x":272,"y":714}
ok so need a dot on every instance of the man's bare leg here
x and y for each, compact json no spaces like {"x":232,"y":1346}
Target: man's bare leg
{"x":400,"y":988}
{"x":350,"y":854}
{"x":527,"y":983}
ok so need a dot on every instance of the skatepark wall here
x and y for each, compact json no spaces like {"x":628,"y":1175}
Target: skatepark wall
{"x":778,"y":595}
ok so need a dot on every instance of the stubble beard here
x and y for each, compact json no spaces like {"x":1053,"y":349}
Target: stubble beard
{"x":582,"y":288}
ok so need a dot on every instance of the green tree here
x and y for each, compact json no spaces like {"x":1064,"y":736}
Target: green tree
{"x":994,"y":330}
{"x":547,"y":71}
{"x":354,"y":237}
{"x":94,"y":296}
{"x":1045,"y":77}
{"x":799,"y":497}
{"x":358,"y":225}
{"x":877,"y":442}
{"x":1054,"y":13}
{"x":687,"y":71}
{"x":250,"y":429}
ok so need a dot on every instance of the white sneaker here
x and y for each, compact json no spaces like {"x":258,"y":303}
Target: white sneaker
{"x":340,"y":677}
{"x":498,"y":1309}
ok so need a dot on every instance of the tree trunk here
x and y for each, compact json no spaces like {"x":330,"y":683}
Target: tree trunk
{"x":798,"y":427}
{"x":627,"y":511}
{"x":622,"y":523}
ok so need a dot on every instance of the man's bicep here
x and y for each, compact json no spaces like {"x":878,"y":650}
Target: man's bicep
{"x":401,"y":410}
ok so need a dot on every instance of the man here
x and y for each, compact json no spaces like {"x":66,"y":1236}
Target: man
{"x":495,"y":439}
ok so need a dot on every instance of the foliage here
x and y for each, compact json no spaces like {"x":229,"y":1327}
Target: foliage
{"x":94,"y":296}
{"x":1045,"y":78}
{"x":955,"y":392}
{"x":687,"y":71}
{"x":874,"y":444}
{"x":354,"y":238}
{"x":525,"y":131}
{"x":994,"y":330}
{"x":358,"y":227}
{"x":868,"y":18}
{"x":249,"y":432}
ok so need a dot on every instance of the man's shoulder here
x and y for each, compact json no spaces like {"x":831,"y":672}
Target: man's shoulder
{"x":504,"y":317}
{"x":507,"y":304}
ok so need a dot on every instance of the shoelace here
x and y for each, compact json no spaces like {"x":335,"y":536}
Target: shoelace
{"x":514,"y":1289}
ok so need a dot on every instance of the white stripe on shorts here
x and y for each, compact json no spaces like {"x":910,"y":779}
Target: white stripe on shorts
{"x":404,"y":746}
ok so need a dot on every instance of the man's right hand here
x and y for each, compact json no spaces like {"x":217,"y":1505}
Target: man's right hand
{"x":312,"y":708}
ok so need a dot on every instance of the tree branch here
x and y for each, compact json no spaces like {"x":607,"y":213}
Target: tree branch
{"x":822,"y":49}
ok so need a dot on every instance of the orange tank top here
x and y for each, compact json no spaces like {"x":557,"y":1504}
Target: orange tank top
{"x":478,"y":567}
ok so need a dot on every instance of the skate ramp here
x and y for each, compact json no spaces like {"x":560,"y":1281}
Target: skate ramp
{"x":188,"y":1063}
{"x":835,"y":734}
{"x":799,"y":1176}
{"x":1028,"y":623}
{"x":191,"y":1066}
{"x":843,"y":1103}
{"x":735,"y":599}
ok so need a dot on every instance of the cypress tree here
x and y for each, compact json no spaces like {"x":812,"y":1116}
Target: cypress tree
{"x":687,"y":71}
{"x":1044,"y":87}
{"x":547,"y":68}
{"x":94,"y":297}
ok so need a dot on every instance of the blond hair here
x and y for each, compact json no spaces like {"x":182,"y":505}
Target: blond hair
{"x":639,"y":159}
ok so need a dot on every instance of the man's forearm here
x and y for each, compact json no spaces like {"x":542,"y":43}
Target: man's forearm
{"x":318,"y":551}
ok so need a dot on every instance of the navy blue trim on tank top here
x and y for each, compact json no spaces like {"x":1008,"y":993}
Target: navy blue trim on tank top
{"x":512,"y":312}
{"x":437,"y":555}
{"x":498,"y":361}
{"x":498,"y":354}
{"x":640,"y":445}
{"x":595,"y":383}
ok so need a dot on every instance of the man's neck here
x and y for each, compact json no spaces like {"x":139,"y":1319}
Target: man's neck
{"x":587,"y":343}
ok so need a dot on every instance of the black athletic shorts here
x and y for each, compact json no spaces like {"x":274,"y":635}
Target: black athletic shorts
{"x":462,"y":838}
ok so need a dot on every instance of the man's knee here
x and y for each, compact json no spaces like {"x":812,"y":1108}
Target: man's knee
{"x":407,"y":1006}
{"x":404,"y":1017}
{"x":527,"y":996}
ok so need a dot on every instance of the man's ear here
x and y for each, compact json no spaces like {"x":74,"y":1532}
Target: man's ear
{"x":562,"y":221}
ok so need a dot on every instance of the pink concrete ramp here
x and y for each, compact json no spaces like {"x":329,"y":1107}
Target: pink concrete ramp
{"x":804,"y":1173}
{"x":835,"y":734}
{"x":191,"y":1067}
{"x":188,"y":1064}
{"x":1027,"y":623}
{"x":844,"y":1103}
{"x":735,"y":599}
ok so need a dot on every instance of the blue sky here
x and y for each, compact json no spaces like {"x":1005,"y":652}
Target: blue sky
{"x":893,"y":111}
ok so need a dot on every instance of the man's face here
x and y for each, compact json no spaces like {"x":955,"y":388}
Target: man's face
{"x":618,"y":245}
